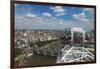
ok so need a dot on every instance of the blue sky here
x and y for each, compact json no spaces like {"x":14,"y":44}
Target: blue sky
{"x":52,"y":17}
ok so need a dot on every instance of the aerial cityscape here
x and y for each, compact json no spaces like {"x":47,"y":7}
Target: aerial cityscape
{"x":46,"y":34}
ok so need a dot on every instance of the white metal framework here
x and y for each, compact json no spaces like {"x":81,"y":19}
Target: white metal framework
{"x":79,"y":30}
{"x":75,"y":53}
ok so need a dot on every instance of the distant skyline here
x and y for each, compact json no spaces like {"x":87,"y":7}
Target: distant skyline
{"x":52,"y":17}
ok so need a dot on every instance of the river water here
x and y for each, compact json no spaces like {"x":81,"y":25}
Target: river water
{"x":39,"y":60}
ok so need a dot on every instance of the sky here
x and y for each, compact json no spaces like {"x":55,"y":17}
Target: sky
{"x":29,"y":16}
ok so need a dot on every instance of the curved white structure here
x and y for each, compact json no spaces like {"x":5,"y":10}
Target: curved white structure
{"x":75,"y":53}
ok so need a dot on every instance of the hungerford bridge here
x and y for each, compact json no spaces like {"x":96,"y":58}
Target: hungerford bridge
{"x":77,"y":52}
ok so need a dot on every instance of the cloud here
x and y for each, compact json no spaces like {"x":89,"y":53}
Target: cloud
{"x":58,"y":10}
{"x":33,"y":21}
{"x":47,"y":14}
{"x":83,"y":21}
{"x":30,"y":15}
{"x":60,"y":14}
{"x":81,"y":16}
{"x":61,"y":22}
{"x":88,"y":9}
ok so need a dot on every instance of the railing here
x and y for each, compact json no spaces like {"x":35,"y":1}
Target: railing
{"x":74,"y":54}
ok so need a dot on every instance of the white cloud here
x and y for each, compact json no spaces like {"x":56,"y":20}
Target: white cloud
{"x":31,"y":21}
{"x":58,"y":10}
{"x":61,"y":22}
{"x":83,"y":21}
{"x":60,"y":14}
{"x":47,"y":14}
{"x":81,"y":16}
{"x":28,"y":21}
{"x":88,"y":9}
{"x":30,"y":15}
